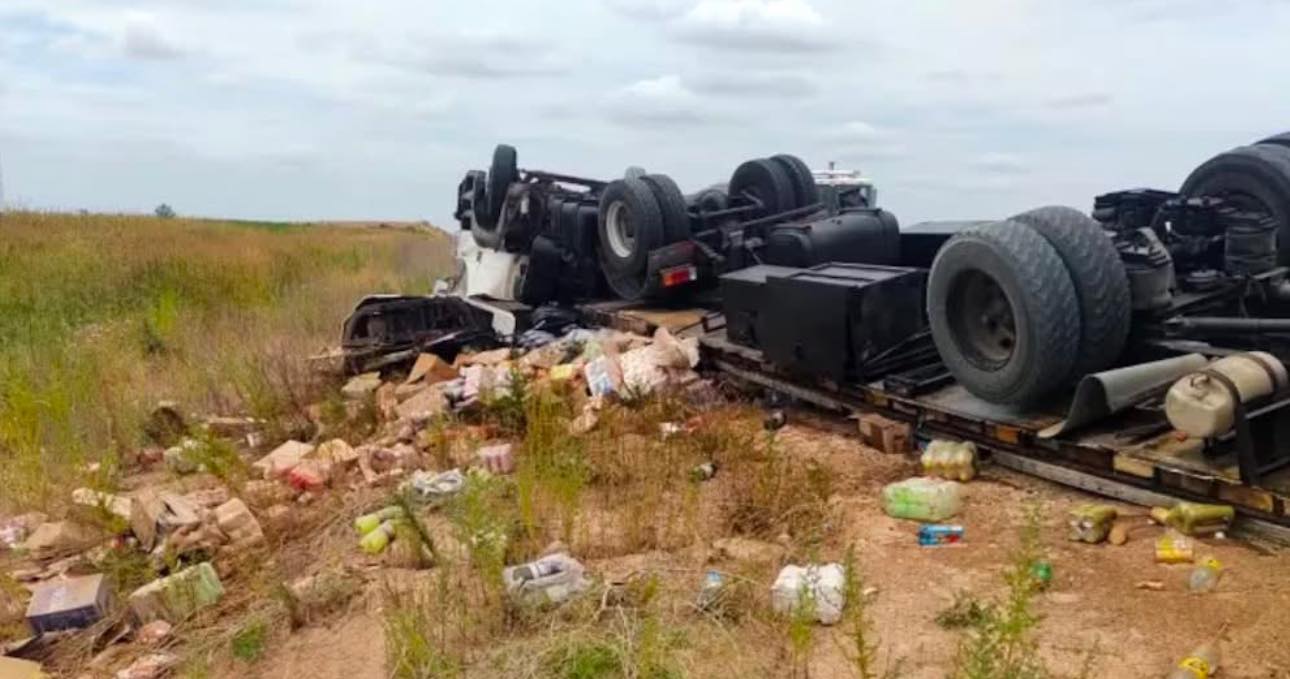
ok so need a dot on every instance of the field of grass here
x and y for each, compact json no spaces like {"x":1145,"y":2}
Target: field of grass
{"x":102,"y":316}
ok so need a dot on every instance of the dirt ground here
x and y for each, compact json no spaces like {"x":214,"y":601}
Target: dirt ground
{"x":1093,"y":605}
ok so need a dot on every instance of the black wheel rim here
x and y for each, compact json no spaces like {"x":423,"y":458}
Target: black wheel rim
{"x":982,"y":320}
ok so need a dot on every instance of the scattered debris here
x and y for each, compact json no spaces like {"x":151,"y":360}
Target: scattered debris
{"x":361,"y":387}
{"x":1204,"y":578}
{"x":485,"y":358}
{"x":703,"y":472}
{"x":386,"y":399}
{"x":423,"y":406}
{"x":1174,"y":547}
{"x":953,"y":460}
{"x":551,"y":579}
{"x":208,"y":498}
{"x":179,"y":458}
{"x":375,"y":530}
{"x":177,"y":597}
{"x":1119,"y":533}
{"x":1092,"y":523}
{"x":236,"y":520}
{"x":60,"y":537}
{"x":153,"y":633}
{"x":497,"y":459}
{"x":604,"y":376}
{"x":15,"y":668}
{"x":1152,"y":585}
{"x":283,"y":459}
{"x":1041,"y":574}
{"x":15,"y":529}
{"x":712,"y":592}
{"x":151,"y":666}
{"x":936,"y":535}
{"x":824,"y":584}
{"x":1201,"y":663}
{"x":232,"y":427}
{"x":435,"y":488}
{"x":430,"y":369}
{"x":922,"y":499}
{"x":315,"y":595}
{"x":886,"y":435}
{"x":71,"y":603}
{"x":145,"y":516}
{"x":260,"y":494}
{"x":1194,"y":518}
{"x":588,"y":418}
{"x":115,"y":504}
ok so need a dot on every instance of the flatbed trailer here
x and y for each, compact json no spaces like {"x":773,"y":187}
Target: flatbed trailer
{"x":1133,"y":456}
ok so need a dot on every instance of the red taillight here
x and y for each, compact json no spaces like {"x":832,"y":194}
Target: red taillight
{"x":678,"y":275}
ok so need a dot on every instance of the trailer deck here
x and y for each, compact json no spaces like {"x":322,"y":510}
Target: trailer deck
{"x":1133,"y":456}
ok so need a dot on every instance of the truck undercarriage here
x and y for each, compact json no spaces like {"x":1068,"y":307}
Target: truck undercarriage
{"x":1052,"y":337}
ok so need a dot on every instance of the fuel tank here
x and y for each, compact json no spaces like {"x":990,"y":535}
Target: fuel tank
{"x":861,"y":236}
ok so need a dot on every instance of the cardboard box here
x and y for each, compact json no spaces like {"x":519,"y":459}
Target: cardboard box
{"x":177,"y":597}
{"x":887,"y":435}
{"x":72,"y":603}
{"x":13,"y":668}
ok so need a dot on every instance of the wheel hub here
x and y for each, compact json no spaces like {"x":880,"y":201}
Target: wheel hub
{"x":982,"y":320}
{"x":619,"y":229}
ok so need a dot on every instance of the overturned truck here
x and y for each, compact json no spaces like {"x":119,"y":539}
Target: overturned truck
{"x":1071,"y":345}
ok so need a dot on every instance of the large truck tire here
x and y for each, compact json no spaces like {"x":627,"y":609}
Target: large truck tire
{"x":710,"y":200}
{"x":766,"y":181}
{"x":1282,"y":139}
{"x":671,"y":202}
{"x":631,"y":224}
{"x":1255,"y":177}
{"x":501,"y":174}
{"x":1003,"y":312}
{"x":805,"y":191}
{"x":1101,"y":283}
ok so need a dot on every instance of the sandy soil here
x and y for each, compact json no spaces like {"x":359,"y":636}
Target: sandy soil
{"x":1092,"y":605}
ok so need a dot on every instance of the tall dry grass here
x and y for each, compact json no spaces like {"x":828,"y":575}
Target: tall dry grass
{"x":101,"y":316}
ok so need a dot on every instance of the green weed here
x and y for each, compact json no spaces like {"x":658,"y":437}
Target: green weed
{"x":250,"y":642}
{"x":999,"y":642}
{"x":102,"y":316}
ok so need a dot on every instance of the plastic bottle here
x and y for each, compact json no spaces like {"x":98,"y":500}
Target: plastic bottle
{"x":922,"y":499}
{"x":369,"y":522}
{"x":710,"y":593}
{"x":953,"y":460}
{"x":935,"y":535}
{"x":1204,"y":578}
{"x":1201,"y":663}
{"x":1194,"y":518}
{"x":376,"y":540}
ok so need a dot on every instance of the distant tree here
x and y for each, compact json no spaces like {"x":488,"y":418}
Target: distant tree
{"x":164,"y":211}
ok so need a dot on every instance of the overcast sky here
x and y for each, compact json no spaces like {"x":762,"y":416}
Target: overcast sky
{"x":308,"y":109}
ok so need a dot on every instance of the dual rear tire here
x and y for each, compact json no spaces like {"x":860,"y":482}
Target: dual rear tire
{"x":1019,"y":308}
{"x":638,"y":214}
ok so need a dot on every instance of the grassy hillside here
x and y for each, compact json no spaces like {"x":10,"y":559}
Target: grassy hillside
{"x":101,"y":316}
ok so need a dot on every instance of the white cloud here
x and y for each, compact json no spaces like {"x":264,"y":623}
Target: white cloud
{"x":650,"y":10}
{"x":664,"y":100}
{"x":756,"y":25}
{"x":747,"y":83}
{"x":143,"y":38}
{"x":995,"y":162}
{"x":311,"y":107}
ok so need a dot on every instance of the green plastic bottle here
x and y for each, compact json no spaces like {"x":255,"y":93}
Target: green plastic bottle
{"x":369,"y":522}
